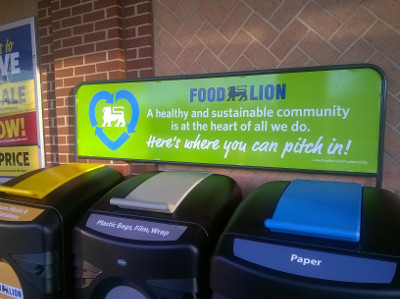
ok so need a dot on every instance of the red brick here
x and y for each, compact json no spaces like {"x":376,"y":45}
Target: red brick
{"x":85,"y":69}
{"x":107,"y":24}
{"x":147,"y":41}
{"x":242,"y":64}
{"x":286,"y":13}
{"x":211,"y":63}
{"x":61,"y":14}
{"x":65,"y":111}
{"x":123,"y":169}
{"x":57,"y":44}
{"x":115,"y":75}
{"x":93,"y":16}
{"x":42,"y":13}
{"x":139,"y":63}
{"x":296,"y":58}
{"x":58,"y":64}
{"x":71,"y":41}
{"x":235,"y":21}
{"x":79,"y":30}
{"x":391,"y":174}
{"x":60,"y":94}
{"x":81,"y":9}
{"x":100,"y":4}
{"x":73,"y":61}
{"x":109,"y":44}
{"x":392,"y":142}
{"x":288,"y":39}
{"x":357,"y":53}
{"x":98,"y":161}
{"x":235,"y":48}
{"x":341,"y":9}
{"x":63,"y":159}
{"x":55,"y":24}
{"x":185,"y":33}
{"x":385,"y":39}
{"x":96,"y":77}
{"x":145,"y":52}
{"x":144,"y":7}
{"x":114,"y":11}
{"x":353,"y":27}
{"x":44,"y":33}
{"x":137,"y":168}
{"x":132,"y":74}
{"x":94,"y":37}
{"x":317,"y":48}
{"x":144,"y":30}
{"x":115,"y":32}
{"x":264,"y":8}
{"x":211,"y":11}
{"x":188,"y":55}
{"x":115,"y":54}
{"x":69,"y":3}
{"x":61,"y":140}
{"x":265,"y":36}
{"x":128,"y":8}
{"x":61,"y":53}
{"x":47,"y":58}
{"x":137,"y":20}
{"x":64,"y":72}
{"x":132,"y":53}
{"x":84,"y":49}
{"x":70,"y":22}
{"x":391,"y":70}
{"x":46,"y":40}
{"x":315,"y":16}
{"x":260,"y":57}
{"x":45,"y":22}
{"x":386,"y":10}
{"x":65,"y":130}
{"x":95,"y":57}
{"x":43,"y":4}
{"x":55,"y":5}
{"x":110,"y":66}
{"x":147,"y":73}
{"x":392,"y":110}
{"x":60,"y":121}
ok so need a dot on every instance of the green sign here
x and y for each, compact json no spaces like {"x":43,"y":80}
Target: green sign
{"x":325,"y":119}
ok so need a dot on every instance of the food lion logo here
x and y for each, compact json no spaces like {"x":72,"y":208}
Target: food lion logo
{"x":114,"y":116}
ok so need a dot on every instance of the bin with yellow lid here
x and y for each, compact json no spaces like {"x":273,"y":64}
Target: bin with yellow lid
{"x":37,"y":212}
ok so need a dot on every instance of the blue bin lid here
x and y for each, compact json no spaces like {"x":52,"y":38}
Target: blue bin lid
{"x":330,"y":210}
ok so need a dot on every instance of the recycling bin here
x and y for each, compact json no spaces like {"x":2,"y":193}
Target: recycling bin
{"x":152,"y":236}
{"x":37,"y":213}
{"x":310,"y":239}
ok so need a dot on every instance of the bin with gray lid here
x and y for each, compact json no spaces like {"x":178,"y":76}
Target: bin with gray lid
{"x":152,"y":236}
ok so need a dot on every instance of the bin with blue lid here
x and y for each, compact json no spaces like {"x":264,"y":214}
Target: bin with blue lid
{"x":310,"y":239}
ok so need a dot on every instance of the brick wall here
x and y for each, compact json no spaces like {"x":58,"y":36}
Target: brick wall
{"x":89,"y":40}
{"x":194,"y":37}
{"x":84,"y":41}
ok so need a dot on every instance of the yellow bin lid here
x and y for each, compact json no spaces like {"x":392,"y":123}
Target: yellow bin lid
{"x":48,"y":180}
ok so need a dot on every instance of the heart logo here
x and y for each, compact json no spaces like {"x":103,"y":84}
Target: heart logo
{"x":114,"y":116}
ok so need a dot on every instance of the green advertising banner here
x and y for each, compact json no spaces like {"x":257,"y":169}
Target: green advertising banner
{"x":325,"y":119}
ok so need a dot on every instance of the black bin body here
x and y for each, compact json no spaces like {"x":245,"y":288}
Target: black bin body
{"x":133,"y":252}
{"x":38,"y":212}
{"x":252,"y":261}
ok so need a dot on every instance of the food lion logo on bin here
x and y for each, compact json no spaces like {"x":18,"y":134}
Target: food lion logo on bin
{"x":114,"y":114}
